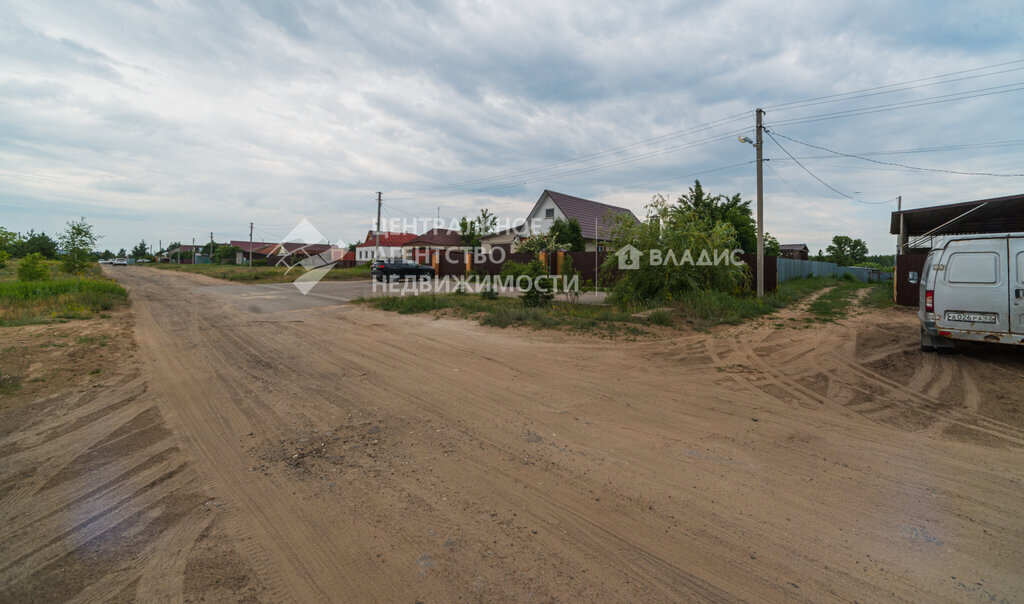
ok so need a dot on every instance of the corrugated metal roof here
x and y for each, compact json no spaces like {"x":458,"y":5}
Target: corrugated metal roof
{"x":445,"y":237}
{"x":595,"y":218}
{"x":996,"y":215}
{"x":245,"y":244}
{"x":388,"y":239}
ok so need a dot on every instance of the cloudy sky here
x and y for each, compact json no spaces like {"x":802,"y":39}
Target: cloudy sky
{"x":167,"y":120}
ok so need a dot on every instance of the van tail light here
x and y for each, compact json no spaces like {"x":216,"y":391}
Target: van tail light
{"x":929,"y":300}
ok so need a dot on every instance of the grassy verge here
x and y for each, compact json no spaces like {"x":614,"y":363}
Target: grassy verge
{"x":64,"y":297}
{"x":507,"y":312}
{"x":700,"y":309}
{"x":263,"y":274}
{"x":707,"y":309}
{"x":880,"y":296}
{"x":833,"y":304}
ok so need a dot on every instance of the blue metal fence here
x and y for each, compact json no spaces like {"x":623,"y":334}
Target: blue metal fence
{"x":788,"y":269}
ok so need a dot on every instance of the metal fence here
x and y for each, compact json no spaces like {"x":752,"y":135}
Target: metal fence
{"x":789,"y":269}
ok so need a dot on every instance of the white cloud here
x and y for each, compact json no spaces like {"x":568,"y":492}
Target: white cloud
{"x":167,"y":119}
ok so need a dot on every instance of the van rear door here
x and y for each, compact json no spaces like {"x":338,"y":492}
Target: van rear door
{"x":1016,"y":257}
{"x":970,"y":286}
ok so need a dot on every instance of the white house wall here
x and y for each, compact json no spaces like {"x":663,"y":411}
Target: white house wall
{"x":536,"y":222}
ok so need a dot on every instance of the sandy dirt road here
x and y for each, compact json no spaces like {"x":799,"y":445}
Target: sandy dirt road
{"x":338,"y":453}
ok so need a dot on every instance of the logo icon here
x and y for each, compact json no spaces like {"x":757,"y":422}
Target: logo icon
{"x":306,"y":244}
{"x":629,"y":258}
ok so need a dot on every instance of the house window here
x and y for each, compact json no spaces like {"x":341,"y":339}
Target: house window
{"x":600,"y":248}
{"x":549,"y":213}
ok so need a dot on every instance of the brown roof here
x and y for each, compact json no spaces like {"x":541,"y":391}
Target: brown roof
{"x":793,"y":246}
{"x":996,"y":215}
{"x":445,"y":237}
{"x":595,"y":218}
{"x":387,"y":239}
{"x":274,"y":249}
{"x":245,"y":244}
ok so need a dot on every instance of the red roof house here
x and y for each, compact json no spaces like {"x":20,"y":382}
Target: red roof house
{"x":421,"y":248}
{"x":390,"y":245}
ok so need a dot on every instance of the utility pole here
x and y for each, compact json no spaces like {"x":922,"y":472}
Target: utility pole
{"x":250,"y":245}
{"x":903,"y":230}
{"x":210,"y":255}
{"x":376,"y":246}
{"x":193,"y":250}
{"x":760,"y":207}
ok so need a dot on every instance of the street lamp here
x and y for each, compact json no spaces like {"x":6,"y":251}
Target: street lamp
{"x":760,"y":203}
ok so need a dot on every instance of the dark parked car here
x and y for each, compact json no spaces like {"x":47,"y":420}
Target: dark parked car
{"x":397,"y":268}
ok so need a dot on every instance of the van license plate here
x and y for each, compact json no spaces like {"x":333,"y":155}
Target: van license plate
{"x":971,"y":317}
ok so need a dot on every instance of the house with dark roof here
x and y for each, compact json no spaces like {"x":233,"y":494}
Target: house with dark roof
{"x":503,"y":238}
{"x":246,"y":246}
{"x":421,"y":248}
{"x":390,"y":245}
{"x":596,"y":219}
{"x":796,"y":251}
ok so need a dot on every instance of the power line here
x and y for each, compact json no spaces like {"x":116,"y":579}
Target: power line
{"x":886,"y":163}
{"x":845,"y":96}
{"x":791,"y":187}
{"x":599,"y":154}
{"x":992,"y":144}
{"x":946,"y":98}
{"x":815,"y":176}
{"x":908,"y":85}
{"x":692,"y":174}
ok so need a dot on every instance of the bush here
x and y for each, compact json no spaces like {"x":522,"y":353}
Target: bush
{"x":534,"y":297}
{"x":569,"y":273}
{"x":489,"y":293}
{"x":33,"y":268}
{"x":259,"y":262}
{"x":3,"y":258}
{"x":513,"y":269}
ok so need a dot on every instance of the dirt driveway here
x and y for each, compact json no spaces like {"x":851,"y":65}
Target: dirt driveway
{"x":339,"y":453}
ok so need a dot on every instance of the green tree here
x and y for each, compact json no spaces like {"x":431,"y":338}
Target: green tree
{"x":533,"y":245}
{"x":226,"y":254}
{"x":687,"y":234}
{"x":846,"y":251}
{"x":486,"y":222}
{"x":533,"y":296}
{"x":8,"y":239}
{"x":3,"y":258}
{"x":33,"y":268}
{"x":37,"y":243}
{"x":140,"y":250}
{"x":713,"y":209}
{"x":469,"y":232}
{"x":771,"y":246}
{"x":567,"y":235}
{"x":107,"y":255}
{"x":121,"y":253}
{"x":77,"y":241}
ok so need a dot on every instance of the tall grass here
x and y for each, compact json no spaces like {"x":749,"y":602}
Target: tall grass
{"x":65,"y":297}
{"x":706,"y":309}
{"x":880,"y":296}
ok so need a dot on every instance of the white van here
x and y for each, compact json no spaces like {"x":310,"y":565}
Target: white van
{"x":972,"y":288}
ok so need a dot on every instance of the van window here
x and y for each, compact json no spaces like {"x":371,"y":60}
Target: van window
{"x":972,"y":267}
